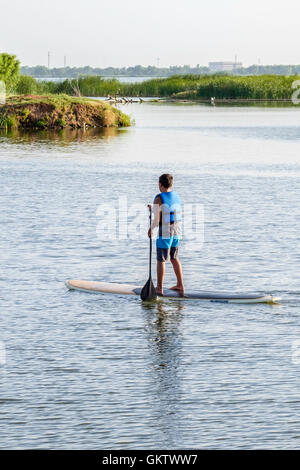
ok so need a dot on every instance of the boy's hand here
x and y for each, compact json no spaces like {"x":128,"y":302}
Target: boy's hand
{"x":150,"y":232}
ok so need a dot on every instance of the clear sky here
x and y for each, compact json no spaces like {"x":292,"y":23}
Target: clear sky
{"x":130,"y":32}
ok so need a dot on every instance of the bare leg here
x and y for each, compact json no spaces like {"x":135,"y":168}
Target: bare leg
{"x":161,"y":270}
{"x":179,"y":276}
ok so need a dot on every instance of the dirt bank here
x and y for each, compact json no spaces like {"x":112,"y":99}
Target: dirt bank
{"x":59,"y":111}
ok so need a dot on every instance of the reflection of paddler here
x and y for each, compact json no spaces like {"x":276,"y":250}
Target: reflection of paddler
{"x":164,"y":365}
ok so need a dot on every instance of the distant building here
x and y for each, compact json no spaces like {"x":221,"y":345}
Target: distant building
{"x":224,"y":66}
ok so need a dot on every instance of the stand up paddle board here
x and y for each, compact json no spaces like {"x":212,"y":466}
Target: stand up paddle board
{"x":96,"y":287}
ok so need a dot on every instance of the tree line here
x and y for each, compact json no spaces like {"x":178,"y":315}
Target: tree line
{"x":152,"y":71}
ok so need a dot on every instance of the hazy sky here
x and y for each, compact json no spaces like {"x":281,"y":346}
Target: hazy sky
{"x":130,"y":32}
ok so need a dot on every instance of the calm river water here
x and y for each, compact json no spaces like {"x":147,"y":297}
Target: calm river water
{"x":87,"y":371}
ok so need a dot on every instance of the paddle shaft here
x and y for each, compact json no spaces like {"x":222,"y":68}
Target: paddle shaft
{"x":148,"y":292}
{"x":150,"y":251}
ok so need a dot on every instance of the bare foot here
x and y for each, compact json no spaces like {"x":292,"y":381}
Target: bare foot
{"x":179,"y":289}
{"x":159,"y":291}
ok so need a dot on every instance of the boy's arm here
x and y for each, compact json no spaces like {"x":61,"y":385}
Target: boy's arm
{"x":155,"y":221}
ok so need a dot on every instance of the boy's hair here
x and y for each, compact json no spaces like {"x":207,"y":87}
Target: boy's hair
{"x":166,"y":180}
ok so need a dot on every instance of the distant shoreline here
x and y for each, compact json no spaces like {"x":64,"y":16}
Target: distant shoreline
{"x":229,"y":101}
{"x":42,"y":72}
{"x":121,"y":78}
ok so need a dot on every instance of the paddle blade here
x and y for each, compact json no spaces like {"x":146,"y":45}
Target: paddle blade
{"x":148,"y":292}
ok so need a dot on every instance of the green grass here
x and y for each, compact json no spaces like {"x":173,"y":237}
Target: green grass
{"x":189,"y":86}
{"x":55,"y":99}
{"x":195,"y":87}
{"x":253,"y":87}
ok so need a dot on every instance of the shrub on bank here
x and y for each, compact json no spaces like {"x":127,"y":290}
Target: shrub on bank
{"x":26,"y":85}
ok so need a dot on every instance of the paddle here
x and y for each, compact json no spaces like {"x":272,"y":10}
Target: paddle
{"x":149,"y":292}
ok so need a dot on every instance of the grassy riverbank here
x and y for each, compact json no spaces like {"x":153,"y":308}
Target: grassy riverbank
{"x":190,"y":86}
{"x":57,"y":112}
{"x":194,"y":87}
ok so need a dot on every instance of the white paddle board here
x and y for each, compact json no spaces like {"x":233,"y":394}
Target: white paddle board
{"x":128,"y":289}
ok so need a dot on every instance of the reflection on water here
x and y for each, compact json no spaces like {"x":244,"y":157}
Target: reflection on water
{"x":163,"y":328}
{"x":60,"y":137}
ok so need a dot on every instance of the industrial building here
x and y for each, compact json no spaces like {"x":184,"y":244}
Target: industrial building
{"x":224,"y":66}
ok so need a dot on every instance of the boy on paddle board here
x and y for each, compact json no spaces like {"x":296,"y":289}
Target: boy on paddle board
{"x":167,"y":217}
